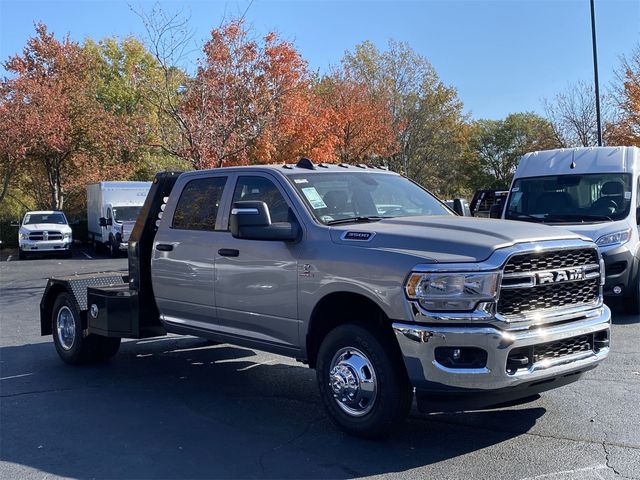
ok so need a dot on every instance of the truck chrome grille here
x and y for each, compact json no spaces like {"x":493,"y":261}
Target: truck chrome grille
{"x":549,"y":280}
{"x":532,"y":262}
{"x":45,"y":235}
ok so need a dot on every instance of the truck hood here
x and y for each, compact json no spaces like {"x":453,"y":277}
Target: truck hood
{"x":39,"y":227}
{"x":445,"y":239}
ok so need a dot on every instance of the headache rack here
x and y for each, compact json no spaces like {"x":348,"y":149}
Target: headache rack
{"x":120,"y":303}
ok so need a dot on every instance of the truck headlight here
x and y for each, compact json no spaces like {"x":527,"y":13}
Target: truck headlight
{"x":452,"y":291}
{"x":67,"y":235}
{"x":615,"y":238}
{"x":24,"y":236}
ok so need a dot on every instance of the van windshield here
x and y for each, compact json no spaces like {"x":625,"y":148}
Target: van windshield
{"x":344,"y":197}
{"x":588,"y":198}
{"x":126,"y":214}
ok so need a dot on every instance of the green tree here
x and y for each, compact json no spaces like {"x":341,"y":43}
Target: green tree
{"x":130,"y":79}
{"x":495,"y":147}
{"x":428,"y":119}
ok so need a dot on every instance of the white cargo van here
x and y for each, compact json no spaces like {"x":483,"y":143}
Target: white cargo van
{"x":592,"y":191}
{"x":112,"y":210}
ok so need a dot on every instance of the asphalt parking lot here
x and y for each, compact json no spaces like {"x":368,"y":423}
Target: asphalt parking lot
{"x":179,"y":407}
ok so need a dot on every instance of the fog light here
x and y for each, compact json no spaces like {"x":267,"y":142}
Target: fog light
{"x":617,"y":290}
{"x":461,"y":357}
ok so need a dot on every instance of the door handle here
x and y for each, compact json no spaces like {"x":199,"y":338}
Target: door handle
{"x":164,"y":247}
{"x":228,"y":252}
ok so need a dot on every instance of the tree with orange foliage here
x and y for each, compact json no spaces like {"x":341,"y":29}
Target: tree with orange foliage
{"x":362,"y":121}
{"x":249,"y":102}
{"x":626,"y":130}
{"x":66,"y":134}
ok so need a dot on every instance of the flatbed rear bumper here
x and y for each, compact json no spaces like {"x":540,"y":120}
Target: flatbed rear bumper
{"x":579,"y":346}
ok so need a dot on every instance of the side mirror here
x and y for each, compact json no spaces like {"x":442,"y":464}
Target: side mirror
{"x":496,"y":211}
{"x":638,"y":215}
{"x":458,"y":206}
{"x":102,"y":222}
{"x":252,"y":221}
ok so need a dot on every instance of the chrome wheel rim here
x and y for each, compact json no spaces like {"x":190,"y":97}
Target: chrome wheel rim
{"x":352,"y":380}
{"x":66,"y":328}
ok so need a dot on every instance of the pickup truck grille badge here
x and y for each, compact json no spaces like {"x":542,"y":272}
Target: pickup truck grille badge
{"x":549,"y":280}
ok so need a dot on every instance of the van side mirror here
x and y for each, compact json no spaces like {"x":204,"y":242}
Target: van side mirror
{"x":458,"y":206}
{"x":102,"y":222}
{"x":638,"y":215}
{"x":251,"y":220}
{"x":496,"y":211}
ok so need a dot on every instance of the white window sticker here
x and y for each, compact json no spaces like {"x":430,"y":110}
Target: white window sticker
{"x":314,"y":197}
{"x":300,"y":180}
{"x":627,"y":195}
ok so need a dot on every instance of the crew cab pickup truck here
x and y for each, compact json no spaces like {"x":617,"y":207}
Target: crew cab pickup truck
{"x":357,"y":272}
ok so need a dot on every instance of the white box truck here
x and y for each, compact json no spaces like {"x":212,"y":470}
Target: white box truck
{"x":112,"y":210}
{"x":595,"y":192}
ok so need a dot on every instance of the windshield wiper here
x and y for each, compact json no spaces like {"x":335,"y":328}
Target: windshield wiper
{"x":524,"y":215}
{"x":368,"y":219}
{"x":577,"y":216}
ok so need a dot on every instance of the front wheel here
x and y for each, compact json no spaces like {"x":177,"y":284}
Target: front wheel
{"x":632,"y":304}
{"x":72,"y":345}
{"x":114,"y":248}
{"x":362,"y":381}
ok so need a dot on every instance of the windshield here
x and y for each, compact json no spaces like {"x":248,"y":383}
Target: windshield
{"x":342,"y":196}
{"x":588,"y":198}
{"x":33,"y":218}
{"x":126,"y":214}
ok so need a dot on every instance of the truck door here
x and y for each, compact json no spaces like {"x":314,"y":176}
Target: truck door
{"x":183,"y":256}
{"x":256,"y":280}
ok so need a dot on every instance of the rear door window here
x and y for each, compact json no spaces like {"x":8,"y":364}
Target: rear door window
{"x":199,"y":202}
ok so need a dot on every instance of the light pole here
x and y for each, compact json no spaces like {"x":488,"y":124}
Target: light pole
{"x":595,"y":72}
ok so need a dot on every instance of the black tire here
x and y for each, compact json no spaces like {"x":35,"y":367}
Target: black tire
{"x":114,"y":248}
{"x":22,"y":256}
{"x":394,"y":393}
{"x":632,"y":303}
{"x":72,"y":346}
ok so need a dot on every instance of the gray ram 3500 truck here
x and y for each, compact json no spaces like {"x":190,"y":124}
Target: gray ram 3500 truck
{"x":357,"y":272}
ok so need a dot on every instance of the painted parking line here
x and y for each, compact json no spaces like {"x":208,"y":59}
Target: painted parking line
{"x":16,"y":376}
{"x":87,"y":255}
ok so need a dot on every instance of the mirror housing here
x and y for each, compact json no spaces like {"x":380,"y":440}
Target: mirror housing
{"x":251,"y":220}
{"x":496,"y":211}
{"x":102,"y":222}
{"x":458,"y":206}
{"x":638,"y":215}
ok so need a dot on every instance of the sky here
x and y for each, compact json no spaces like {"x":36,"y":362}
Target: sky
{"x":502,"y":56}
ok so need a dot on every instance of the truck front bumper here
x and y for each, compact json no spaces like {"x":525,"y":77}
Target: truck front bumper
{"x":542,"y":354}
{"x":45,"y":245}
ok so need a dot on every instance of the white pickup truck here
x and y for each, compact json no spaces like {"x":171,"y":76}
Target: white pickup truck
{"x":44,"y":231}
